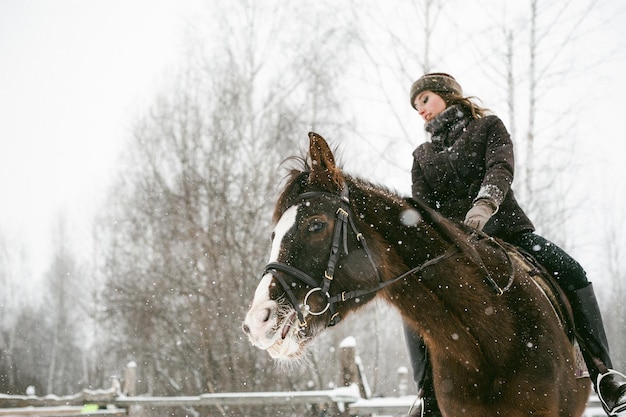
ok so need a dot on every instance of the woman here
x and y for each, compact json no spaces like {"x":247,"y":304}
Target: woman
{"x":465,"y":172}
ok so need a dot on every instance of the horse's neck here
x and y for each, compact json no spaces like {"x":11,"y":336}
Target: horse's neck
{"x":431,"y":300}
{"x":427,"y":300}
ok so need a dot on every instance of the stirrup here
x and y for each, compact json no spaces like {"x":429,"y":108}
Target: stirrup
{"x":615,"y":411}
{"x":419,"y":400}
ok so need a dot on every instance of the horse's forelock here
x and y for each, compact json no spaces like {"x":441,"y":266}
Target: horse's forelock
{"x":301,"y":177}
{"x":295,"y":180}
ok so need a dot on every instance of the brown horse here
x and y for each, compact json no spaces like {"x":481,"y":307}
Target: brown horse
{"x":496,"y":344}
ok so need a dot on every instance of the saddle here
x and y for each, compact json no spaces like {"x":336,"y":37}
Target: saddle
{"x":553,"y":292}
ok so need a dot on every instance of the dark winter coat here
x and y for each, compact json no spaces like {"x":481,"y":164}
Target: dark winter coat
{"x":467,"y":160}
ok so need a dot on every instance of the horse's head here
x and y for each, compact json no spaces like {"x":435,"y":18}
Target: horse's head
{"x":319,"y":263}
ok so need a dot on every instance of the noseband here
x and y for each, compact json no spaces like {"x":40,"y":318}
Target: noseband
{"x":340,"y":239}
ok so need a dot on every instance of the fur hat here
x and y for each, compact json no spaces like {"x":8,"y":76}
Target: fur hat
{"x":437,"y":82}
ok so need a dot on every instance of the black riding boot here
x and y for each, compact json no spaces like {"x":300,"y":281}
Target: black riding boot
{"x":427,"y":405}
{"x":595,"y":347}
{"x":423,"y":376}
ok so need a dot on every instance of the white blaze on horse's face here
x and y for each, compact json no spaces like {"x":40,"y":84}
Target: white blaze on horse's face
{"x":268,"y":326}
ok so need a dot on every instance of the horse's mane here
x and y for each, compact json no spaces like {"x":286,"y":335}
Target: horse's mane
{"x":296,"y":180}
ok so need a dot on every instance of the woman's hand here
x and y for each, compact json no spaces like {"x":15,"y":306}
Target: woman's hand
{"x":479,"y":214}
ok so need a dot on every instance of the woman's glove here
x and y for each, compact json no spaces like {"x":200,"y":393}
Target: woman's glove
{"x":479,"y":214}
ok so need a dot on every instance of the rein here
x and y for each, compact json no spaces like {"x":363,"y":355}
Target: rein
{"x":339,"y":240}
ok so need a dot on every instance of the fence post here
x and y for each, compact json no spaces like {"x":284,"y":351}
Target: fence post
{"x":350,"y":370}
{"x":130,"y":379}
{"x":347,"y":359}
{"x":403,"y":377}
{"x":130,"y":388}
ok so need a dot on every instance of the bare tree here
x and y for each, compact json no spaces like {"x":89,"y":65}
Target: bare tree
{"x":612,"y":253}
{"x":549,"y":128}
{"x":60,"y":305}
{"x":396,"y":46}
{"x":189,"y":219}
{"x":8,"y":314}
{"x":21,"y":330}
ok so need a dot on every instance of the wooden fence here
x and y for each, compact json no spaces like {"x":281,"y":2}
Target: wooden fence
{"x":352,"y":399}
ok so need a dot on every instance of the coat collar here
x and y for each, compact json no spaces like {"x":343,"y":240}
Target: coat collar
{"x":445,"y":128}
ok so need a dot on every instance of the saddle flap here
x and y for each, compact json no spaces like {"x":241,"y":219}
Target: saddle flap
{"x":548,"y":285}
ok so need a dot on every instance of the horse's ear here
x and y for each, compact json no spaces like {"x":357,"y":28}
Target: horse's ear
{"x":324,"y":171}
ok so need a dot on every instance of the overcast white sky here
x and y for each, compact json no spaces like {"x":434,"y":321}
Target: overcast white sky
{"x":73,"y":75}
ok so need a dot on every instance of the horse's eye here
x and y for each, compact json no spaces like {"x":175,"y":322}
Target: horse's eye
{"x":316,"y":226}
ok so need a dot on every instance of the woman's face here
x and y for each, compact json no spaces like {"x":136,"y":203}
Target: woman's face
{"x":429,"y":104}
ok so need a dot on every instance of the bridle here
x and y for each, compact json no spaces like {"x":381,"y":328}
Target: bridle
{"x":339,"y":241}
